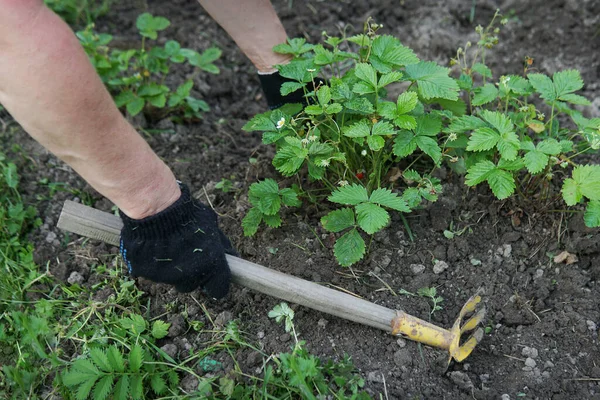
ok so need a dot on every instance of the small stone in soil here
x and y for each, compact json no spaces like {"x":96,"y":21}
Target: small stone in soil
{"x":402,"y":357}
{"x":50,"y":237}
{"x":189,"y":383}
{"x":322,"y":322}
{"x":439,"y":267}
{"x":223,"y":318}
{"x":254,"y":358}
{"x":260,"y":335}
{"x":529,"y":352}
{"x":530,"y":362}
{"x":285,"y":337}
{"x":461,"y":380}
{"x":177,"y":326}
{"x":375,"y":376}
{"x":591,"y":325}
{"x":75,"y":278}
{"x":170,"y":349}
{"x":401,"y":342}
{"x":549,"y":364}
{"x":417,"y":268}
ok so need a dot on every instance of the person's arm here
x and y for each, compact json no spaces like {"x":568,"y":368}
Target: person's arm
{"x":255,"y":28}
{"x":49,"y":86}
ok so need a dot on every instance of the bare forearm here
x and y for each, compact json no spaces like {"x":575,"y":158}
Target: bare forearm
{"x":254,"y":26}
{"x":51,"y":89}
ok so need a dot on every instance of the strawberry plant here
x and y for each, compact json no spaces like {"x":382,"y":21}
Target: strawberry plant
{"x":136,"y":77}
{"x":370,"y":155}
{"x":347,"y":144}
{"x":517,"y":136}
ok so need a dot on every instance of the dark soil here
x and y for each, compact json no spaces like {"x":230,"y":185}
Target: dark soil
{"x":542,"y":337}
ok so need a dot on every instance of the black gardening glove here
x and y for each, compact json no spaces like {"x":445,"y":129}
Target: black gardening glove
{"x":181,"y":245}
{"x":271,"y":85}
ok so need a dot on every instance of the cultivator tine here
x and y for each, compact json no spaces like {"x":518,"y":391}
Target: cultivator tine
{"x":474,"y":321}
{"x":420,"y":331}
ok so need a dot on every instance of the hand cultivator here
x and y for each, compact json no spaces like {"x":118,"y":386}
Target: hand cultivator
{"x":96,"y":224}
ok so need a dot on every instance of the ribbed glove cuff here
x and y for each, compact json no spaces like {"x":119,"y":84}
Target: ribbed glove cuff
{"x":171,"y":219}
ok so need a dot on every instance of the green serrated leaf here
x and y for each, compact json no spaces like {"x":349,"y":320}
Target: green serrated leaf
{"x":482,"y":70}
{"x":543,"y":85}
{"x":483,"y":139}
{"x":465,"y":123}
{"x":289,"y":159}
{"x":404,"y":144}
{"x":385,"y":197}
{"x":135,"y":106}
{"x":158,"y":384}
{"x":588,"y":180}
{"x":375,"y":143}
{"x":591,"y":217}
{"x":295,"y":46}
{"x":289,"y":197}
{"x":338,"y":220}
{"x":387,"y":52}
{"x":479,"y":172}
{"x":290,"y":87}
{"x":566,"y":82}
{"x":349,"y":195}
{"x":499,"y":121}
{"x":502,"y":183}
{"x":137,"y":387}
{"x":360,"y":104}
{"x":360,"y":129}
{"x":485,"y":94}
{"x":160,"y":329}
{"x":75,"y":377}
{"x":371,"y":217}
{"x":121,"y":391}
{"x":571,"y":192}
{"x":349,"y":248}
{"x":406,"y":102}
{"x":115,"y":358}
{"x":85,"y":388}
{"x":103,"y":387}
{"x":101,"y":360}
{"x":366,"y":73}
{"x":333,"y":108}
{"x":383,"y":128}
{"x":433,"y":80}
{"x":273,"y":221}
{"x":324,"y":95}
{"x":575,"y":99}
{"x":549,"y":146}
{"x":428,"y":125}
{"x":508,"y":146}
{"x":388,"y":78}
{"x":430,"y":147}
{"x":251,"y":221}
{"x":535,"y":161}
{"x":135,"y":358}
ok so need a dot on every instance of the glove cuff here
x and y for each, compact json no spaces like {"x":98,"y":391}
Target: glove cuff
{"x":271,"y":86}
{"x":172,"y":219}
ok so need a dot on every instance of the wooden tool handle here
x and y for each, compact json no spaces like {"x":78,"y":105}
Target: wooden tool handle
{"x":95,"y":224}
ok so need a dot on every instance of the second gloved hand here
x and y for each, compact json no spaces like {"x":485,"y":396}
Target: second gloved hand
{"x":181,"y":245}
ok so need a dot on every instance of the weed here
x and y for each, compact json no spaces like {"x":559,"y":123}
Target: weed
{"x":77,"y":12}
{"x":225,"y":185}
{"x":431,"y":294}
{"x":136,"y":76}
